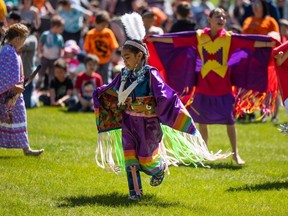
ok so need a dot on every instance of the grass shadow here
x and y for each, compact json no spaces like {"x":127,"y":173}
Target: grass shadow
{"x":10,"y":157}
{"x":225,"y":165}
{"x":222,"y":165}
{"x":259,"y":187}
{"x":113,"y":200}
{"x":65,"y":110}
{"x":249,"y":122}
{"x":277,"y":124}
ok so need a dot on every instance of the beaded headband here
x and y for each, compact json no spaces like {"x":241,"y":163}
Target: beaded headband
{"x":137,"y":45}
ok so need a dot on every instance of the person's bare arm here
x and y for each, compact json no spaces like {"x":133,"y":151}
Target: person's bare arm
{"x":281,"y":57}
{"x":111,"y":7}
{"x":80,"y":98}
{"x":77,"y":93}
{"x":65,"y":97}
{"x":264,"y":44}
{"x":52,"y":97}
{"x":274,"y":35}
{"x":159,"y":39}
{"x":49,"y":7}
{"x":36,"y":17}
{"x":18,"y":88}
{"x":40,"y":49}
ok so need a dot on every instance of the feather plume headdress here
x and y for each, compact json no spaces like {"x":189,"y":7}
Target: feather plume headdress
{"x":134,"y":29}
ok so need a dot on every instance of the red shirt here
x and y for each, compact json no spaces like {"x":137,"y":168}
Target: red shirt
{"x":82,"y":79}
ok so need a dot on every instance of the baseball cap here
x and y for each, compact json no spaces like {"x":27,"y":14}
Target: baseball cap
{"x":71,"y":46}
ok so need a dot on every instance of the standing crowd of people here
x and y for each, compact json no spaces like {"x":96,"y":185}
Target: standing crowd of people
{"x":71,"y":29}
{"x":84,"y":44}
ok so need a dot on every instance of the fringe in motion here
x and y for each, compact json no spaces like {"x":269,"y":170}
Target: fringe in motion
{"x":249,"y":101}
{"x":284,"y":128}
{"x":176,"y":148}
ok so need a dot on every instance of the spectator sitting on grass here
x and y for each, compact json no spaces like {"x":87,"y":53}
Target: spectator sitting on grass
{"x":61,"y":87}
{"x":85,"y":84}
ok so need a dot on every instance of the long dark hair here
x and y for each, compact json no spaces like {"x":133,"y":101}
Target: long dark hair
{"x":136,"y":50}
{"x":265,"y":8}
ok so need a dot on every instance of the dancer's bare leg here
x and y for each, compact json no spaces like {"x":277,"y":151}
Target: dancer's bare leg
{"x":203,"y":129}
{"x":231,"y":131}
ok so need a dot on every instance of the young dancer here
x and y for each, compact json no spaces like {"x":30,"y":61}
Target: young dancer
{"x":138,"y":101}
{"x":281,"y":54}
{"x":13,"y":125}
{"x":209,"y":53}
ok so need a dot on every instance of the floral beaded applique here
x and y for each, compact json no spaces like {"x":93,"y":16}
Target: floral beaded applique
{"x":139,"y":75}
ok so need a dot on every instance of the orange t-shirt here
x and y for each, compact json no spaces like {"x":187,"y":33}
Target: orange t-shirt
{"x":161,"y":17}
{"x":38,"y":4}
{"x":260,"y":26}
{"x":253,"y":25}
{"x":101,"y":43}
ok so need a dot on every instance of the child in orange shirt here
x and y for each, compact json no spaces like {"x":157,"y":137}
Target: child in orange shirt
{"x":102,"y":42}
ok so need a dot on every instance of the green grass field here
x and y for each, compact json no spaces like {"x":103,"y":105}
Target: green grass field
{"x":66,"y":181}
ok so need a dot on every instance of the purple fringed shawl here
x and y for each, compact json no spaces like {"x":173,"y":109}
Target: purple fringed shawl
{"x":186,"y":148}
{"x":180,"y":66}
{"x":169,"y":109}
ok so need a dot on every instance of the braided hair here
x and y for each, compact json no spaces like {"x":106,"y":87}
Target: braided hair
{"x":15,"y":30}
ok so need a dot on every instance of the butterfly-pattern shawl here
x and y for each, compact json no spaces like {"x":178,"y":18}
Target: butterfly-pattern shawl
{"x":180,"y":66}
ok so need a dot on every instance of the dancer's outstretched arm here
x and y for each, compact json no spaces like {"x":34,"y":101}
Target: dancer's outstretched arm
{"x":159,"y":39}
{"x":264,"y":44}
{"x":281,"y":57}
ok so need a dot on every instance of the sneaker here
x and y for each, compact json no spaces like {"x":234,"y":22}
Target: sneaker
{"x":157,"y":179}
{"x":274,"y":119}
{"x":134,"y":197}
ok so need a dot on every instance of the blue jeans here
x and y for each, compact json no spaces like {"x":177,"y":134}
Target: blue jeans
{"x":30,"y":102}
{"x":105,"y":71}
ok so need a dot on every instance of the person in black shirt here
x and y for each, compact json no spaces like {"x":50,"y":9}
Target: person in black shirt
{"x":61,"y":87}
{"x":184,"y":20}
